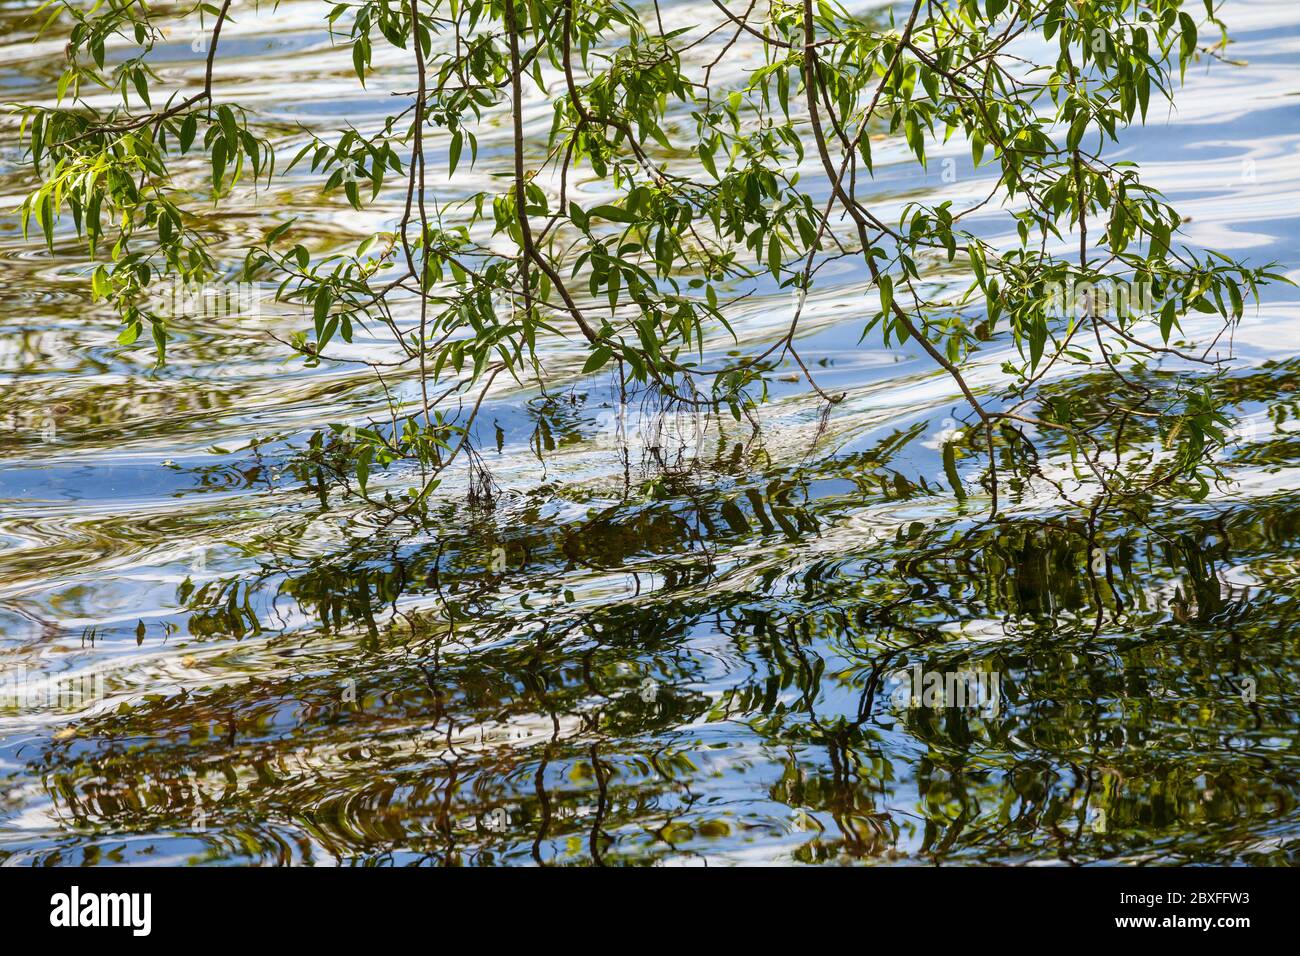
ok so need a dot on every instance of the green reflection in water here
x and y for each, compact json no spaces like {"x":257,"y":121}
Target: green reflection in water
{"x":709,"y":668}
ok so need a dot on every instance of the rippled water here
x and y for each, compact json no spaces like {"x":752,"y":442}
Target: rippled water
{"x":681,"y":657}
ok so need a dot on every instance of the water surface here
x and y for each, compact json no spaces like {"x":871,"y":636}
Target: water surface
{"x":607,"y":653}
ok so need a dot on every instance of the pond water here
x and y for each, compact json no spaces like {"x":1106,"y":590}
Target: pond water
{"x":657,"y":638}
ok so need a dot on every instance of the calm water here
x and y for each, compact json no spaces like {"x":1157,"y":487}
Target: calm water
{"x":615,"y":654}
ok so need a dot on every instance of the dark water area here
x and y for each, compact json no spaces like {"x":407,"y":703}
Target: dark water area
{"x":624,"y":634}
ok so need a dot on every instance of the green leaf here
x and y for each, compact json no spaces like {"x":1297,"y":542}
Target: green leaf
{"x":453,"y":155}
{"x":950,"y":471}
{"x":599,"y":356}
{"x":612,"y":213}
{"x":886,"y":286}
